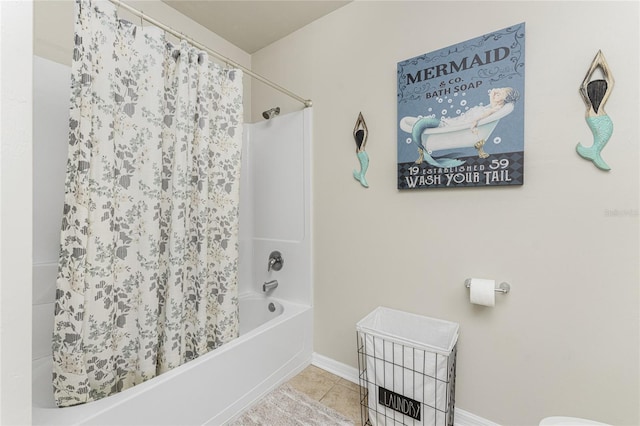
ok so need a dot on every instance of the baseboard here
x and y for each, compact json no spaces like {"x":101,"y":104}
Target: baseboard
{"x":465,"y":418}
{"x":332,"y":366}
{"x":461,"y":418}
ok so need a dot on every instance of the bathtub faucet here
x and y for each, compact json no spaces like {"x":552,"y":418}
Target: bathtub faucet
{"x":269,"y":285}
{"x":275,"y":261}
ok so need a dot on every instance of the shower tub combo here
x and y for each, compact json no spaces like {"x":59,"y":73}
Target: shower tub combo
{"x":274,"y":345}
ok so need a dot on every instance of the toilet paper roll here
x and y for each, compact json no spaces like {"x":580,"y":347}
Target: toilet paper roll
{"x":482,"y":292}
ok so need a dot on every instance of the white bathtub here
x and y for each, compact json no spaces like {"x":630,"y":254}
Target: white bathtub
{"x":210,"y":390}
{"x":457,"y":136}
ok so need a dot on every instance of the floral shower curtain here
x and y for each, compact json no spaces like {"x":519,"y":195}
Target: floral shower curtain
{"x":147,"y":275}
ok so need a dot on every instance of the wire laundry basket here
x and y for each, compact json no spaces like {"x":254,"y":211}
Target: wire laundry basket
{"x":407,"y":369}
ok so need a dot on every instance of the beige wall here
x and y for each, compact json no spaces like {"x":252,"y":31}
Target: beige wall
{"x":565,"y":341}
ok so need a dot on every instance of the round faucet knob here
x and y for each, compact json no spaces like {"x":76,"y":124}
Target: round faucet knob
{"x":275,"y":261}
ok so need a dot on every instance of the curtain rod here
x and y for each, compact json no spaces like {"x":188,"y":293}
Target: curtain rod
{"x":138,"y":13}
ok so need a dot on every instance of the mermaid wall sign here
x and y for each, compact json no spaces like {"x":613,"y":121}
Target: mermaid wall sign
{"x":595,"y":93}
{"x":360,"y":134}
{"x":461,"y":114}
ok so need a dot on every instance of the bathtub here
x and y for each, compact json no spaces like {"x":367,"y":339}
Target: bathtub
{"x":458,"y":136}
{"x":274,"y":345}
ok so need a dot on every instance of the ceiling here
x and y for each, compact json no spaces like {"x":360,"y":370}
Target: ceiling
{"x":252,"y":25}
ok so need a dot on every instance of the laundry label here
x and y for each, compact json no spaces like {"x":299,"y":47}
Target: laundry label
{"x":402,"y":404}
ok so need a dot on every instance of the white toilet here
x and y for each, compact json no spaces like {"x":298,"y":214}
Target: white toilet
{"x":568,"y":421}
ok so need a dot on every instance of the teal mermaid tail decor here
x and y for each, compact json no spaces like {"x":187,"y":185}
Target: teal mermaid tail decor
{"x":416,"y":133}
{"x":595,"y":94}
{"x":602,"y":129}
{"x":360,"y":134}
{"x":364,"y":165}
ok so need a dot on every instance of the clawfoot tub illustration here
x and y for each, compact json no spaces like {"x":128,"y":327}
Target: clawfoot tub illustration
{"x":469,"y":130}
{"x":595,"y":94}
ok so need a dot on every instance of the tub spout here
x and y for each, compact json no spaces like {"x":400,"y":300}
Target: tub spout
{"x":270,"y":285}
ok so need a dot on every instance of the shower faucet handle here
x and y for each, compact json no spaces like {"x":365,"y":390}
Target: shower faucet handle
{"x":275,"y":261}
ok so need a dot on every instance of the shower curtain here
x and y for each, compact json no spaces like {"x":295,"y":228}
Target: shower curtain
{"x":147,"y":275}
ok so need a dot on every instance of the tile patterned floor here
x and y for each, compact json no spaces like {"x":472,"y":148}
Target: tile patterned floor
{"x":331,"y":390}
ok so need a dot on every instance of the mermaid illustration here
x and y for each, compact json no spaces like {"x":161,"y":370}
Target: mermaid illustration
{"x":595,"y":94}
{"x":360,"y":134}
{"x":498,"y":99}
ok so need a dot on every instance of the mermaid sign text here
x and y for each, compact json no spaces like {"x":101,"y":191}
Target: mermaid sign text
{"x":461,"y":114}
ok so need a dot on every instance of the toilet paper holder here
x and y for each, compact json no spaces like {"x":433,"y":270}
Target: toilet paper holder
{"x":502,"y":288}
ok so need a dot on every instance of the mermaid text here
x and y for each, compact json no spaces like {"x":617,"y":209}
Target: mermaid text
{"x":478,"y":60}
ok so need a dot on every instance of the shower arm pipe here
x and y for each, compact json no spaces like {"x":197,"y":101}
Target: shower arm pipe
{"x":142,"y":16}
